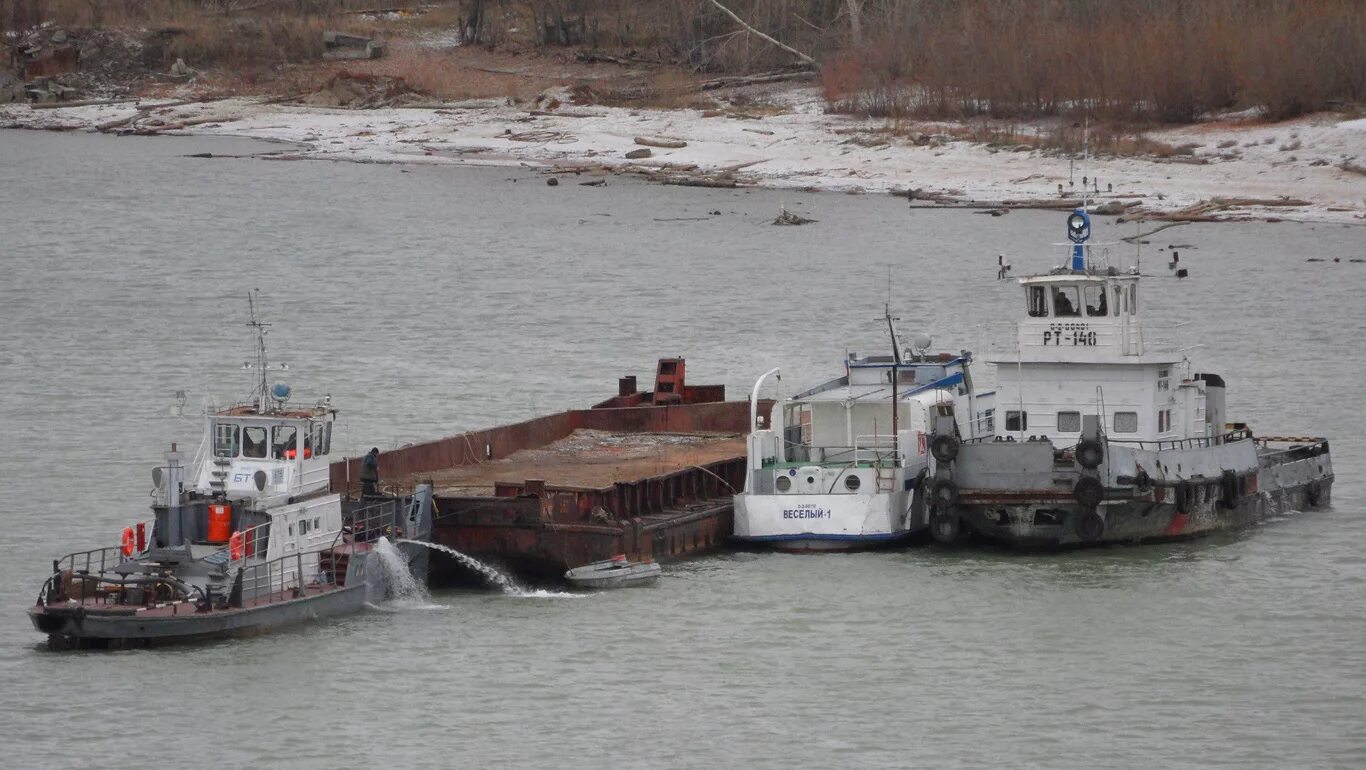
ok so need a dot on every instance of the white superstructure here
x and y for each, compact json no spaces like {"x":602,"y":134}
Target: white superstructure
{"x":838,"y":467}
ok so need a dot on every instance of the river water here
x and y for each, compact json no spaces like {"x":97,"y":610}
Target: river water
{"x":432,"y":300}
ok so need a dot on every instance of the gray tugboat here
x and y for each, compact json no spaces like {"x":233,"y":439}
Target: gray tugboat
{"x":1096,"y":435}
{"x":244,"y":538}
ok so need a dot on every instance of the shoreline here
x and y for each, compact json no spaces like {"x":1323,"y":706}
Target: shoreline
{"x":1304,"y":170}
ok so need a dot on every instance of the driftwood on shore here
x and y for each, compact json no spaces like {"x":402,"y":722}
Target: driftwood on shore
{"x":671,"y":144}
{"x":1208,"y":211}
{"x":759,"y":79}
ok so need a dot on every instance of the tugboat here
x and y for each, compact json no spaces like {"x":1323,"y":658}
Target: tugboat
{"x":246,"y":537}
{"x":840,"y":468}
{"x":1099,"y":436}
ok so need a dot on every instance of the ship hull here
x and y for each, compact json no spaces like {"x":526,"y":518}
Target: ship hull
{"x":1282,"y":483}
{"x":90,"y":625}
{"x":824,"y":523}
{"x":81,"y":627}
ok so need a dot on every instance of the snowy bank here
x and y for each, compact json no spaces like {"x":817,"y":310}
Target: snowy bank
{"x":1316,"y":162}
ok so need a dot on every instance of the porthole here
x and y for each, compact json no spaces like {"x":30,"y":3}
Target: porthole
{"x":783,"y":483}
{"x":852,"y":483}
{"x":811,"y":479}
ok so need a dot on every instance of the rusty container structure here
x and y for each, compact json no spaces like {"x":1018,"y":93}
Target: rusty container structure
{"x":646,"y":474}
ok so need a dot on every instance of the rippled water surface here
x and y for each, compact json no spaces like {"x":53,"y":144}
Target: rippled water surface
{"x":429,"y":301}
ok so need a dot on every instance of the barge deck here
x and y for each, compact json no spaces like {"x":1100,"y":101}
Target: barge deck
{"x":650,"y":475}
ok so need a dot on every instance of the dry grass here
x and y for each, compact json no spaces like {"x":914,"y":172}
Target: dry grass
{"x":444,"y":75}
{"x":1162,"y":60}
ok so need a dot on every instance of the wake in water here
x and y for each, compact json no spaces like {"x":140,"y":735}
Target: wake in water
{"x":505,"y":582}
{"x":405,"y":591}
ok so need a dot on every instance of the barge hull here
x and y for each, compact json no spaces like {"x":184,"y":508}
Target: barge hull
{"x":1049,"y":519}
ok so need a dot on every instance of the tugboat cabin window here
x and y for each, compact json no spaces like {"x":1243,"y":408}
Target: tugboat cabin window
{"x":1038,"y":302}
{"x":1095,"y":300}
{"x":1017,"y":421}
{"x":1065,"y":301}
{"x":1126,"y":422}
{"x":319,"y":441}
{"x":254,"y":442}
{"x":283,"y":447}
{"x":225,"y":437}
{"x":1069,"y":422}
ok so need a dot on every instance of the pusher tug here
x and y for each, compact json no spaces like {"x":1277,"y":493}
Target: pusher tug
{"x":1100,"y":436}
{"x":244,"y":538}
{"x":839,"y":468}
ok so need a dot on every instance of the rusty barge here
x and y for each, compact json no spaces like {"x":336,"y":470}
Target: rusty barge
{"x":647,"y":474}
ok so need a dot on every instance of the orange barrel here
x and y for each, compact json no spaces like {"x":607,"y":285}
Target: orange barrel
{"x":220,"y":522}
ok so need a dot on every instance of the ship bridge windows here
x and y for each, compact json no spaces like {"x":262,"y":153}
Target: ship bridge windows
{"x":1095,"y":300}
{"x":320,"y":438}
{"x":1069,"y":422}
{"x":285,"y":443}
{"x":1017,"y":421}
{"x":1065,"y":302}
{"x":226,"y":436}
{"x":254,"y":440}
{"x":1037,"y":299}
{"x":1126,"y":422}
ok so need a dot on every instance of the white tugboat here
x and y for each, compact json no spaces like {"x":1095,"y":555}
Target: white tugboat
{"x":839,"y":468}
{"x":1100,"y":436}
{"x":247,"y":536}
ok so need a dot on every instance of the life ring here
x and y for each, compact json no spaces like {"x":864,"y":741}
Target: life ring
{"x":944,"y":447}
{"x":1089,"y":526}
{"x":945,"y":493}
{"x":1089,"y":492}
{"x":945,"y":527}
{"x":1090,"y":454}
{"x":235,"y":546}
{"x":128,"y":543}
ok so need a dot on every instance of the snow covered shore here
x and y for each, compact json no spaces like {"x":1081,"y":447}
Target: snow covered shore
{"x":1316,"y":162}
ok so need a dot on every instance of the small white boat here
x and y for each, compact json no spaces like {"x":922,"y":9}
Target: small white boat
{"x":615,"y":572}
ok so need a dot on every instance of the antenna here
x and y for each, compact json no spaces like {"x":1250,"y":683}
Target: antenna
{"x":1085,"y":157}
{"x":262,"y":392}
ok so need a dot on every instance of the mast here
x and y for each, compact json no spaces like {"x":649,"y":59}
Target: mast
{"x":262,"y":390}
{"x":896,"y":381}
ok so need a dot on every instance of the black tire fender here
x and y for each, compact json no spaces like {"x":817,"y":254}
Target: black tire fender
{"x":1089,"y":526}
{"x":1228,"y":489}
{"x":945,"y":493}
{"x":1183,"y":497}
{"x":945,"y":527}
{"x":944,"y":447}
{"x":1089,"y":492}
{"x":1313,"y":494}
{"x":1090,"y":454}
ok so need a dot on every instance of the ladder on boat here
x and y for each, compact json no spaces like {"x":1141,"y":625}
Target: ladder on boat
{"x":886,"y":478}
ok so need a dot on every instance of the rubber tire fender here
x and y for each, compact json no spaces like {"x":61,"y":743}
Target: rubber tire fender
{"x":1183,"y":497}
{"x":1228,"y":489}
{"x":944,"y":447}
{"x":1089,"y":525}
{"x":945,"y":527}
{"x":1313,"y":494}
{"x":945,"y":493}
{"x":1089,"y":492}
{"x":1090,"y":454}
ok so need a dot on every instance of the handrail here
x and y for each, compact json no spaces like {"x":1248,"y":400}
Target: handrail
{"x":754,"y":397}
